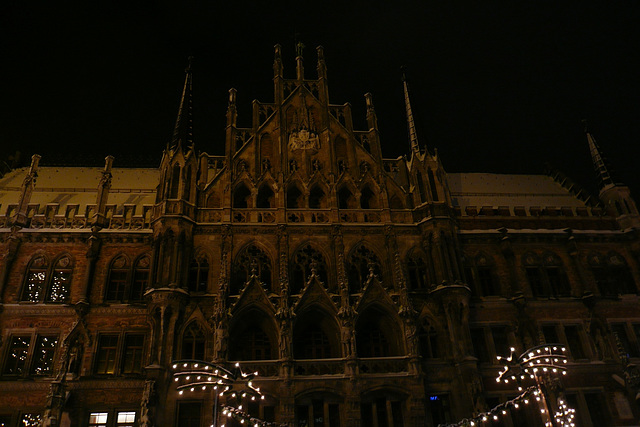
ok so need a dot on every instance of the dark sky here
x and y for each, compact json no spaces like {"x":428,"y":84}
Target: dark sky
{"x":496,"y":86}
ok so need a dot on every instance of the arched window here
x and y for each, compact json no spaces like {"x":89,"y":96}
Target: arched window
{"x":241,"y":196}
{"x":546,"y":275}
{"x":377,"y":334}
{"x":251,"y":258}
{"x":60,"y":281}
{"x":306,"y":259}
{"x":117,"y":279}
{"x":199,"y":274}
{"x":418,"y":271}
{"x":254,"y":338}
{"x":127,"y":282}
{"x":368,"y":199}
{"x":35,"y":280}
{"x":421,"y":191}
{"x":346,"y":199}
{"x":140,"y":278}
{"x":315,"y":336}
{"x":481,"y":276}
{"x":294,"y":197}
{"x":612,"y":274}
{"x":429,"y":348}
{"x":44,"y":283}
{"x":432,"y":184}
{"x":395,"y":203}
{"x":175,"y":182}
{"x":193,"y":342}
{"x":361,"y":261}
{"x":266,"y":197}
{"x":187,"y":184}
{"x":316,"y":198}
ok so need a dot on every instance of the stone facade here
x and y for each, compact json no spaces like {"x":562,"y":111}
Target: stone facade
{"x":364,"y":291}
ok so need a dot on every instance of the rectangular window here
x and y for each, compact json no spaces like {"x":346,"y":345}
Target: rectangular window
{"x":116,"y":285}
{"x":107,"y":351}
{"x":189,"y":414}
{"x":133,"y":348}
{"x":575,"y":344}
{"x":597,"y":409}
{"x":535,"y":281}
{"x":550,"y":333}
{"x":43,"y":355}
{"x":18,"y":354}
{"x":630,"y":347}
{"x":438,"y":409}
{"x":98,"y":419}
{"x":126,"y":419}
{"x":30,"y":420}
{"x":500,"y":341}
{"x":487,"y":283}
{"x":557,"y":281}
{"x":480,"y":345}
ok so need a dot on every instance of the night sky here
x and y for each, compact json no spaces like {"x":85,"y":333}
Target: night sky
{"x":495,"y":86}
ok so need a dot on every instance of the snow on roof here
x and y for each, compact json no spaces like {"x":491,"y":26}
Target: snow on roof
{"x":79,"y":186}
{"x":488,"y":189}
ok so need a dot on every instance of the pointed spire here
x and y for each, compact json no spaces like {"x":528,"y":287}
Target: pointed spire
{"x":299,"y":61}
{"x":605,"y":177}
{"x":277,"y":61}
{"x":183,"y":131}
{"x":413,"y":136}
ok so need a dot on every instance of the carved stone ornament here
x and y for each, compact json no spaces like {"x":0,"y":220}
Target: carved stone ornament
{"x":304,"y":140}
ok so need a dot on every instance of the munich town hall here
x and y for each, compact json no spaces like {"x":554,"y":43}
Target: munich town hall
{"x":364,"y":291}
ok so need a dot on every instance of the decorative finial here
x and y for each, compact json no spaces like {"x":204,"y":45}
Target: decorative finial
{"x":299,"y":48}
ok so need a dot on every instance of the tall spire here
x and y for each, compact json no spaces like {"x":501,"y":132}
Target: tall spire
{"x":183,"y":131}
{"x":413,"y":136}
{"x":605,"y":177}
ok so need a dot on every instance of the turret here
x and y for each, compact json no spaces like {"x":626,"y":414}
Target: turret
{"x":615,"y":195}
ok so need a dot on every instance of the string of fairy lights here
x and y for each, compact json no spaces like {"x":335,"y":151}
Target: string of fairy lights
{"x":196,"y":375}
{"x":535,"y":363}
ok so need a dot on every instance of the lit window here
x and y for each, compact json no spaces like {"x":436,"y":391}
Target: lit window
{"x":126,"y":419}
{"x":97,"y":419}
{"x":112,"y":358}
{"x":24,"y":358}
{"x":30,"y":420}
{"x":43,"y":283}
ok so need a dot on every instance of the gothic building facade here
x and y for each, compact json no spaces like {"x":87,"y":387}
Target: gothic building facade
{"x":365,"y":291}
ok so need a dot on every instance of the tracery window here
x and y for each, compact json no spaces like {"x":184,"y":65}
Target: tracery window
{"x":304,"y":261}
{"x":612,"y":274}
{"x":266,"y":197}
{"x":314,"y":344}
{"x":126,"y":282}
{"x":252,"y":258}
{"x":316,"y":198}
{"x":193,"y":342}
{"x":361,"y":261}
{"x":48,"y":283}
{"x":31,"y":354}
{"x":368,"y":199}
{"x":315,"y":336}
{"x":346,"y":200}
{"x":429,"y":348}
{"x":199,"y":274}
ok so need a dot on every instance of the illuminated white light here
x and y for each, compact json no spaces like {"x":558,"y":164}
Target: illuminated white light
{"x":175,"y":366}
{"x":204,"y":387}
{"x":181,"y":391}
{"x":262,"y":397}
{"x":192,"y":389}
{"x":195,"y":366}
{"x":175,"y":379}
{"x":206,"y":367}
{"x":198,"y":377}
{"x":185,"y":365}
{"x":187,"y":378}
{"x":237,"y":365}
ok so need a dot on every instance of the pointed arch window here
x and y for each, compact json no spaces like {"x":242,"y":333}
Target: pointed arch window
{"x":251,"y":258}
{"x":199,"y":274}
{"x":346,"y":200}
{"x":254,"y":337}
{"x":429,"y":348}
{"x":175,"y":182}
{"x":361,"y":262}
{"x":127,"y":282}
{"x":421,"y":190}
{"x":241,"y":196}
{"x":266,"y":197}
{"x":294,"y":197}
{"x":193,"y":342}
{"x":45,"y":283}
{"x":315,"y":336}
{"x":305,"y":260}
{"x":187,"y":184}
{"x":432,"y":184}
{"x":317,"y":198}
{"x":419,"y":277}
{"x":368,"y":199}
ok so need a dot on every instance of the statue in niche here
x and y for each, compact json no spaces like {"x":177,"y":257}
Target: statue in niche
{"x":316,"y":165}
{"x":221,"y":342}
{"x":285,"y":341}
{"x":293,"y":166}
{"x":266,"y":164}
